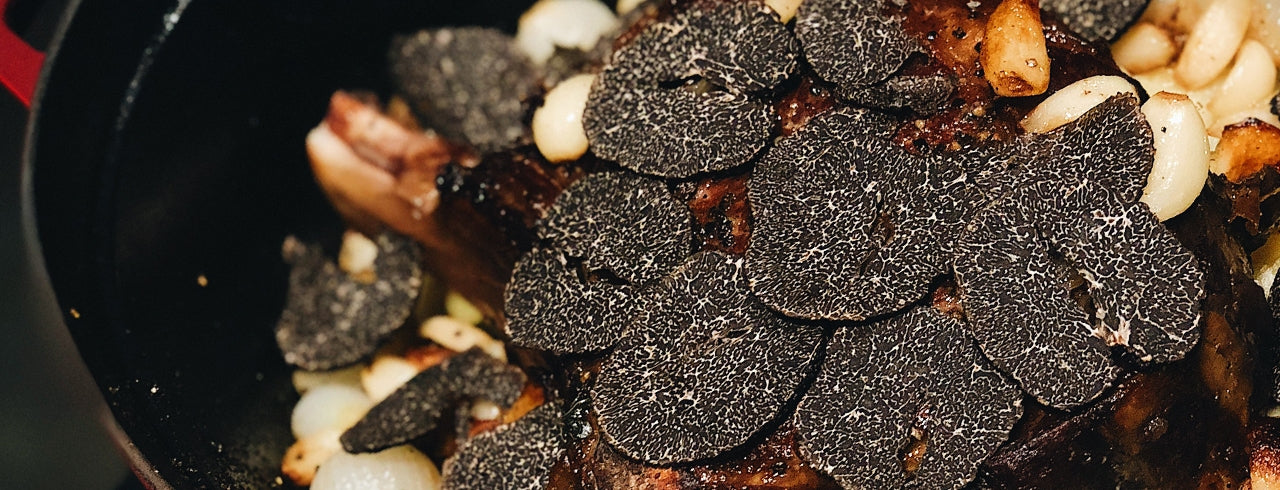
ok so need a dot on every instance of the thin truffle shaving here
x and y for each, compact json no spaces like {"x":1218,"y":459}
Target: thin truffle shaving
{"x":626,"y":224}
{"x":1096,"y":20}
{"x":679,"y":99}
{"x":415,"y":408}
{"x":847,"y":225}
{"x":1015,"y":265}
{"x":1019,"y":306}
{"x":516,"y":456}
{"x":470,"y":84}
{"x":853,"y":43}
{"x":907,"y":401}
{"x":551,"y":305}
{"x":703,"y":368}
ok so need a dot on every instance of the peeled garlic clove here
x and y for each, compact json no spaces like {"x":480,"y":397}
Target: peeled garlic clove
{"x":328,"y":407}
{"x":385,"y":375}
{"x":577,"y":24}
{"x":1181,"y":154}
{"x":357,"y":256}
{"x":1186,"y":13}
{"x":1143,"y":48}
{"x":1073,"y":101}
{"x":1265,"y":26}
{"x":557,"y":125}
{"x":459,"y":336}
{"x":786,"y":9}
{"x":1213,"y":42}
{"x":456,"y":306}
{"x":1014,"y":58}
{"x":625,"y":6}
{"x":1251,"y":80}
{"x":1266,"y":262}
{"x":1260,"y":111}
{"x":397,"y":468}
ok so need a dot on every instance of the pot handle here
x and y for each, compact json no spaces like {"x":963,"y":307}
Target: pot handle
{"x":19,"y":62}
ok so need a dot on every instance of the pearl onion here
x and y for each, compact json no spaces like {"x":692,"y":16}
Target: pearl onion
{"x":397,"y":468}
{"x":328,"y":407}
{"x":557,"y":125}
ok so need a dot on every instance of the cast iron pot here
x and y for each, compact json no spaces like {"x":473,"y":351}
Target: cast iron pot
{"x":165,"y":163}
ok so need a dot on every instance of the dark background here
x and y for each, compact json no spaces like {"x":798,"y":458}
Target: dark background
{"x":53,"y":422}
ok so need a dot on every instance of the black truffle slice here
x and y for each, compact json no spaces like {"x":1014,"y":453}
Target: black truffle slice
{"x":628,"y":224}
{"x":993,"y":169}
{"x":468,"y":83}
{"x":853,"y":43}
{"x":331,"y":319}
{"x":740,"y":46}
{"x":1145,"y":286}
{"x":552,"y":305}
{"x":1018,"y":303}
{"x":1111,"y":144}
{"x":924,"y":94}
{"x":704,"y":367}
{"x":415,"y":408}
{"x":516,"y":456}
{"x":846,"y":225}
{"x":908,"y":401}
{"x":1096,"y":20}
{"x":678,"y":100}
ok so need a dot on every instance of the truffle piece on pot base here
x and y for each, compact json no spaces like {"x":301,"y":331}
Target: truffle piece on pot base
{"x":703,"y":368}
{"x":470,"y":84}
{"x":415,"y":408}
{"x":908,"y":400}
{"x":331,"y":318}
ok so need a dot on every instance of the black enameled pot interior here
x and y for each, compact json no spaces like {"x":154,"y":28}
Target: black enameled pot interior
{"x":168,"y":146}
